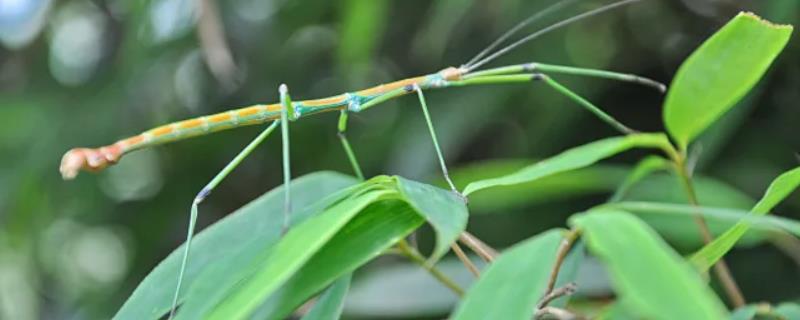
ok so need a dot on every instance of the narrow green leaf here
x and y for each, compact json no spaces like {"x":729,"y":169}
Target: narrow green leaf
{"x":764,"y":223}
{"x":330,"y":303}
{"x":682,"y":232}
{"x":597,"y":179}
{"x":443,"y":209}
{"x":722,"y":70}
{"x":778,"y":190}
{"x":289,"y":255}
{"x":375,"y":229}
{"x":153,"y":296}
{"x":651,"y":279}
{"x":572,"y":159}
{"x":514,"y":283}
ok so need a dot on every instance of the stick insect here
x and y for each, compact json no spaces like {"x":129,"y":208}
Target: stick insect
{"x":286,"y":111}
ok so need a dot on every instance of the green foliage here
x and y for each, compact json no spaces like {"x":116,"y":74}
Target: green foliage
{"x":330,"y":303}
{"x":572,"y":159}
{"x":343,"y":231}
{"x":651,"y":279}
{"x":719,"y":73}
{"x":784,"y":185}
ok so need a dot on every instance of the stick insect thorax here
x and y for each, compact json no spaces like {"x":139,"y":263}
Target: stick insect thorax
{"x":96,"y":159}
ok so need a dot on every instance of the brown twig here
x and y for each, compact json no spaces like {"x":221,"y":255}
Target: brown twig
{"x":720,"y":268}
{"x":211,"y":33}
{"x":566,"y":290}
{"x":483,"y":250}
{"x":563,"y":249}
{"x":465,"y":259}
{"x":556,"y":313}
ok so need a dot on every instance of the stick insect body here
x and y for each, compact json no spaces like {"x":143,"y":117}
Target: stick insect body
{"x":286,"y":111}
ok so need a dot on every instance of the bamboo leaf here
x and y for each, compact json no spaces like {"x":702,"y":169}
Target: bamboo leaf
{"x":722,"y":70}
{"x":330,"y":303}
{"x":501,"y":292}
{"x":443,"y":209}
{"x":778,"y":190}
{"x":257,"y":220}
{"x":572,"y":159}
{"x":274,"y":267}
{"x":650,"y":278}
{"x":764,"y":223}
{"x":374,"y":230}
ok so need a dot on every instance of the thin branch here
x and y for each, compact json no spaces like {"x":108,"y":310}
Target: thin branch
{"x":414,"y":255}
{"x":566,"y":290}
{"x":563,"y":249}
{"x":555,"y":313}
{"x":465,"y":259}
{"x":211,"y":33}
{"x":483,"y":250}
{"x":720,"y":268}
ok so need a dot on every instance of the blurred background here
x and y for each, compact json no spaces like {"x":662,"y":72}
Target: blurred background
{"x":86,"y":73}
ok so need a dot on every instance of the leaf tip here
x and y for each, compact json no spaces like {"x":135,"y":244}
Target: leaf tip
{"x":759,"y":19}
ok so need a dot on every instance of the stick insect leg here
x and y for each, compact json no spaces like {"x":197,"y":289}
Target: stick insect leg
{"x":424,"y":105}
{"x":202,"y":195}
{"x":346,"y":145}
{"x":583,"y":102}
{"x":287,"y":114}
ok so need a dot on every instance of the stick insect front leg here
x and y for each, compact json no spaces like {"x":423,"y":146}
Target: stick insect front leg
{"x":202,"y":196}
{"x":424,"y":104}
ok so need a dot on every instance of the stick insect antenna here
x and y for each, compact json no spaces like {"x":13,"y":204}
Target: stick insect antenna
{"x":533,"y":18}
{"x":548,"y":29}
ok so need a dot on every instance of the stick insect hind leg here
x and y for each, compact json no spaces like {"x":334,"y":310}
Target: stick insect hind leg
{"x":202,"y":196}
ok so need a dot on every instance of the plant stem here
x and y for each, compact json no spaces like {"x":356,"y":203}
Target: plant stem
{"x":720,"y":268}
{"x":414,"y":255}
{"x":486,"y":252}
{"x":465,"y":259}
{"x":563,"y":248}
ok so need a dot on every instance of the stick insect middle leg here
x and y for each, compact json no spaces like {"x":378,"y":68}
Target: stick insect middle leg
{"x":202,"y":196}
{"x":346,"y":145}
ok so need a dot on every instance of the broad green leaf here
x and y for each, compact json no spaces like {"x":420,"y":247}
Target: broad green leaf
{"x":275,"y":266}
{"x":789,"y":310}
{"x":747,"y":312}
{"x":258,"y":219}
{"x":330,"y":303}
{"x":215,"y":283}
{"x":374,"y":230}
{"x":764,"y":223}
{"x":443,"y":209}
{"x":784,"y":185}
{"x":345,"y":230}
{"x":651,"y":279}
{"x":572,"y":159}
{"x":597,"y":179}
{"x":719,"y":73}
{"x":514,"y":283}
